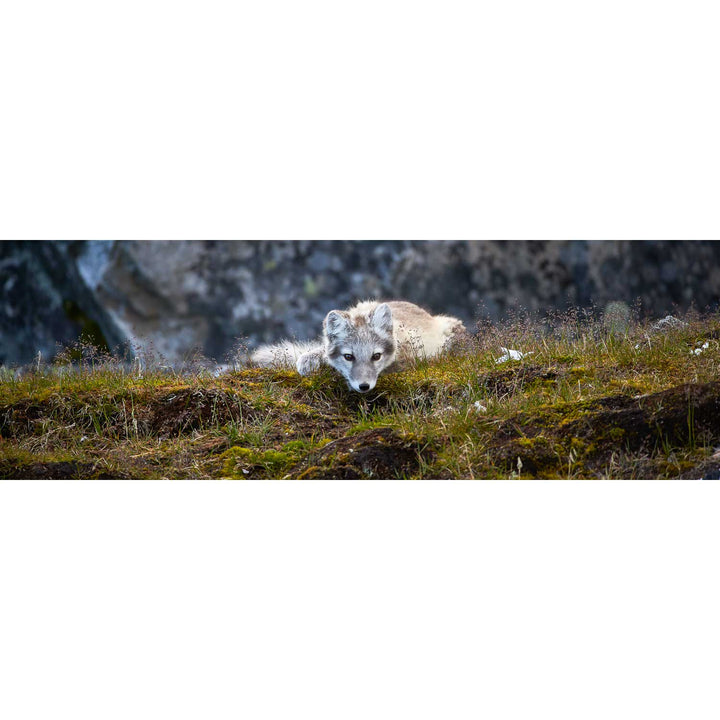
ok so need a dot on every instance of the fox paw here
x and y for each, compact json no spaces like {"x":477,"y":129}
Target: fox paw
{"x":309,"y":362}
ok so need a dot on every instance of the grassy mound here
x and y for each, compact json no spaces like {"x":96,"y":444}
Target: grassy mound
{"x":585,"y":400}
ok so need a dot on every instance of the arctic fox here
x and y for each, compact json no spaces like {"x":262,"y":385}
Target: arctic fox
{"x":366,"y":340}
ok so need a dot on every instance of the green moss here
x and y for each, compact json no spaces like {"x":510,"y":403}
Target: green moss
{"x":244,"y":462}
{"x":526,"y":442}
{"x":310,"y":472}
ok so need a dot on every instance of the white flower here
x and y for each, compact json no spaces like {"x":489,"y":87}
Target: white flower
{"x":698,"y":350}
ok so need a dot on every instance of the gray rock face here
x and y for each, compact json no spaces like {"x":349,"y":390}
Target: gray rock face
{"x":45,"y":301}
{"x":175,"y":297}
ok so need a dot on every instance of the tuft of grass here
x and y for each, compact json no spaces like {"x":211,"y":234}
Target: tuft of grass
{"x":591,"y":398}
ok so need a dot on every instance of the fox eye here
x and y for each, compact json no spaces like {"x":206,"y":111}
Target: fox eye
{"x":349,"y":357}
{"x":376,"y":356}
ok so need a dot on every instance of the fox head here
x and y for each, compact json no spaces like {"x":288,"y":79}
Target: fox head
{"x":360,"y":347}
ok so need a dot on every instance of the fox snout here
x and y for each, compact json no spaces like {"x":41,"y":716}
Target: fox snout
{"x":362,"y":379}
{"x":363,"y":387}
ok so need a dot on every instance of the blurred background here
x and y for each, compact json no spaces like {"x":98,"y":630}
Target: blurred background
{"x":178,"y":297}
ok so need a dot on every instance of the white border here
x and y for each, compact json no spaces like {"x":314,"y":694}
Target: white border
{"x":324,"y":120}
{"x":355,"y":600}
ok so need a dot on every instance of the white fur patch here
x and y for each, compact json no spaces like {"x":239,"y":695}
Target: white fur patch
{"x":282,"y":354}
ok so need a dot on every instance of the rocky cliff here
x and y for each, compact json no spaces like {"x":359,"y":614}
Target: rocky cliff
{"x":179,"y":296}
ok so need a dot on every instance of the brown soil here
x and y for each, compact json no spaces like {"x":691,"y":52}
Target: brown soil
{"x":56,"y":471}
{"x":506,"y":382}
{"x":188,"y":409}
{"x":377,"y":453}
{"x":684,"y":415}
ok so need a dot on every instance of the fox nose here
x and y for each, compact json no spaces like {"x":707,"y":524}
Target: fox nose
{"x":363,"y":387}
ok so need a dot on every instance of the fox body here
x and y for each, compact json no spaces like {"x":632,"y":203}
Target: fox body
{"x":366,"y":340}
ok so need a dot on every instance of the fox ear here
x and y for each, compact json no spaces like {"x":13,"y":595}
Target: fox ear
{"x":381,"y":319}
{"x":336,"y":322}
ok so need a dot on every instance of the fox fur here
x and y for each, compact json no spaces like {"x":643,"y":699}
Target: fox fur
{"x":366,"y":340}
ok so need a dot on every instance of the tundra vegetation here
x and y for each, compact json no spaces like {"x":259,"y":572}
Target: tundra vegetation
{"x":607,"y":397}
